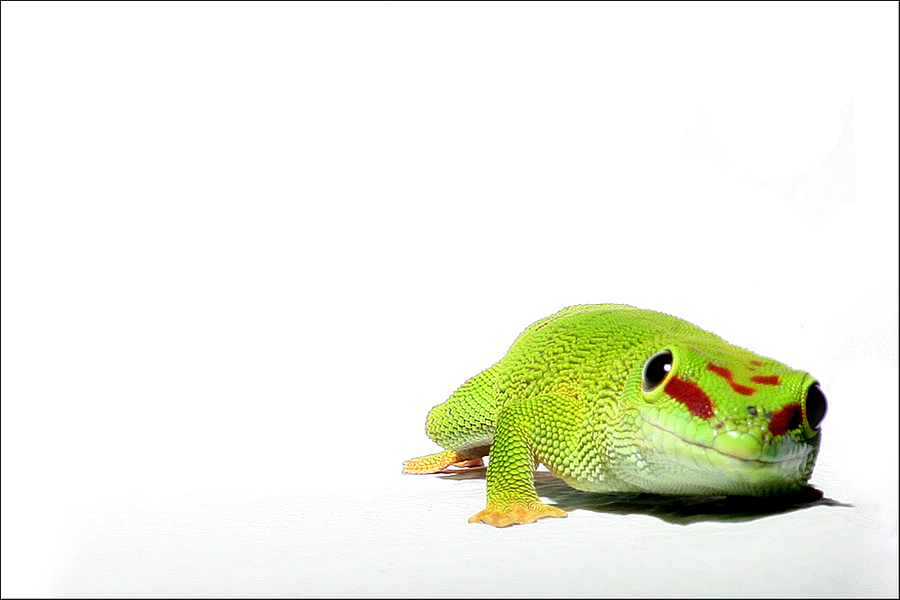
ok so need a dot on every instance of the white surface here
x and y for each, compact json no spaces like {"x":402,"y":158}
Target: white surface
{"x":246,"y":247}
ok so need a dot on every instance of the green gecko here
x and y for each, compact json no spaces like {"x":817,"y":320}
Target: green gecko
{"x":611,"y":398}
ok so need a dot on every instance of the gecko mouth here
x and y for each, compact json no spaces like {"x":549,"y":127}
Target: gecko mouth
{"x":739,"y":446}
{"x":733,"y":458}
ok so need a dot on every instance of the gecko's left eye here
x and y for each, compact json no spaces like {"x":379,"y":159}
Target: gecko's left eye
{"x":655,"y":370}
{"x":816,"y":406}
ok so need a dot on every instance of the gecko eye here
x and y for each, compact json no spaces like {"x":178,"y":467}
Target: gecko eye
{"x":656,"y":369}
{"x":815,"y":406}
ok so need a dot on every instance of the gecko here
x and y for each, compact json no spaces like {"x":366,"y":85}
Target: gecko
{"x":612,"y":398}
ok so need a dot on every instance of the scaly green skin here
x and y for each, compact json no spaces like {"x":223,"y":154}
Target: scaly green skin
{"x":570,"y":394}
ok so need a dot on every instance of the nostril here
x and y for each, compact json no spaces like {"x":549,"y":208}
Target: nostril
{"x":816,"y":406}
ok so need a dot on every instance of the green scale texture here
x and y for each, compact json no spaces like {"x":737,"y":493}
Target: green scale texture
{"x":571,"y":394}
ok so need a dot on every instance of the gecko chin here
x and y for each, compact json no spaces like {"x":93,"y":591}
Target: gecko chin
{"x":679,"y":456}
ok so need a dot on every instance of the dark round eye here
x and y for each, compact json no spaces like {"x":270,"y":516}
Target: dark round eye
{"x":816,"y":406}
{"x":656,"y":369}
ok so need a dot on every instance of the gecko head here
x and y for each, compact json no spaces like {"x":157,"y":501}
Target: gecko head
{"x":715,"y":419}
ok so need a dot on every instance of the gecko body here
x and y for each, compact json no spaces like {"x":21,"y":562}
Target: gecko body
{"x":616,"y":399}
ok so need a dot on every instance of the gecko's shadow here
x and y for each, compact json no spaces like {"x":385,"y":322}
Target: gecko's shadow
{"x":679,"y":510}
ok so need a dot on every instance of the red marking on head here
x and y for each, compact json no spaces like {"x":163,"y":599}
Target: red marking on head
{"x":786,"y":419}
{"x":691,"y":396}
{"x":727,"y":376}
{"x":541,"y":325}
{"x":755,"y":363}
{"x":766,"y":379}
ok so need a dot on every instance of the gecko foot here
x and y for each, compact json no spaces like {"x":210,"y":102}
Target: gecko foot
{"x":435,"y":463}
{"x":518,"y":514}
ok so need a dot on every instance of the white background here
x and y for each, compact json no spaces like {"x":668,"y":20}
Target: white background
{"x":247,"y":246}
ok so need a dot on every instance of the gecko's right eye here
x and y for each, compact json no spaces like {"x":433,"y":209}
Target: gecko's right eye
{"x":655,"y":370}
